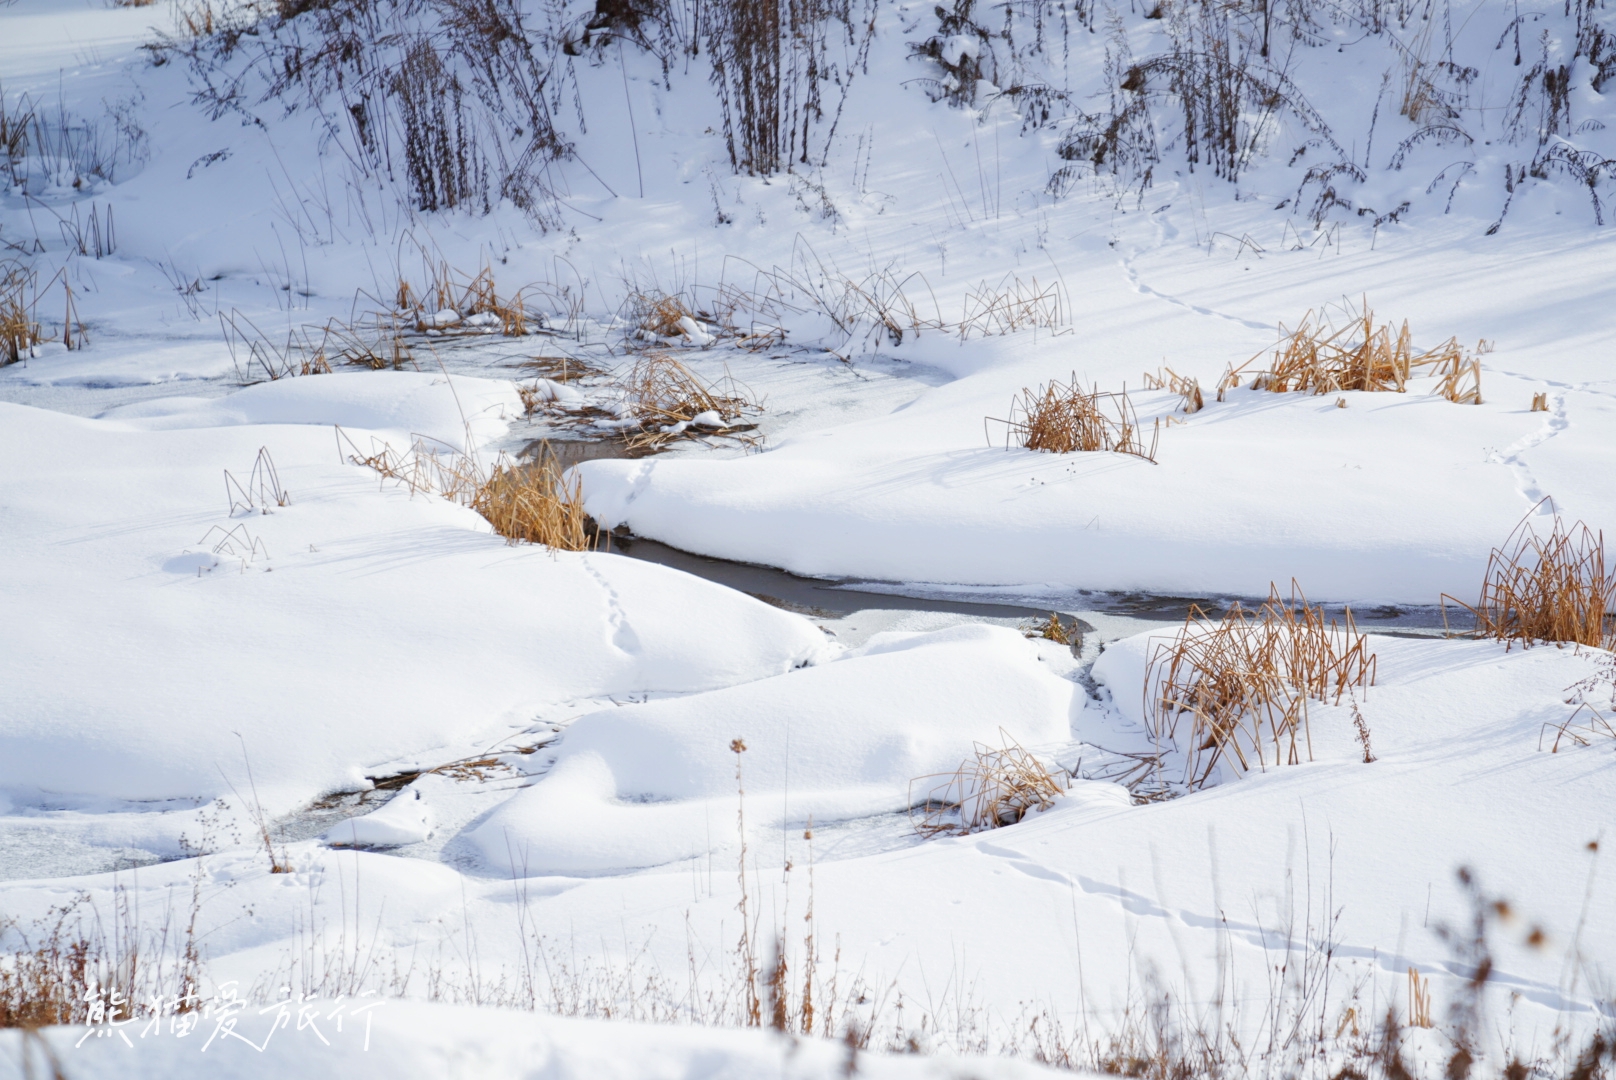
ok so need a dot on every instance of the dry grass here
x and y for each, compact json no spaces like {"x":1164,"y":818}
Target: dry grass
{"x":1589,"y":722}
{"x":1057,"y":630}
{"x":1556,"y":588}
{"x":657,"y":315}
{"x":450,"y":302}
{"x":534,"y":504}
{"x":376,"y":343}
{"x":19,"y":333}
{"x":1461,"y":377}
{"x":996,"y":786}
{"x":262,"y":489}
{"x":1243,"y":682}
{"x":256,"y":356}
{"x":561,"y":369}
{"x":71,"y":967}
{"x":1185,"y":386}
{"x":1540,"y":402}
{"x":1013,"y":305}
{"x":1063,"y":418}
{"x":670,"y":402}
{"x":1320,"y":358}
{"x":524,"y":503}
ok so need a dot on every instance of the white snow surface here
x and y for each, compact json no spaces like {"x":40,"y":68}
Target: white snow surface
{"x":636,"y":786}
{"x":112,"y":534}
{"x":186,"y":660}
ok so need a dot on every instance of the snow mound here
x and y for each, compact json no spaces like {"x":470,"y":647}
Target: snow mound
{"x":348,"y":629}
{"x":405,"y":402}
{"x":406,"y":818}
{"x":648,"y":784}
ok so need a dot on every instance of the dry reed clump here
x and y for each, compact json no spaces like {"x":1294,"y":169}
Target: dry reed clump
{"x":1244,"y":681}
{"x":524,"y":503}
{"x":1063,"y":418}
{"x":376,"y":342}
{"x":1557,"y":588}
{"x":453,"y":303}
{"x":1319,"y":358}
{"x":1187,"y":387}
{"x":1540,"y":402}
{"x":660,"y":317}
{"x":535,"y":504}
{"x":996,"y":786}
{"x":670,"y":402}
{"x":256,"y":356}
{"x":19,"y":333}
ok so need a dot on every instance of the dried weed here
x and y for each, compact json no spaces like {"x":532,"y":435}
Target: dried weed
{"x":1063,"y":418}
{"x":524,"y":503}
{"x":996,"y":786}
{"x":669,"y":402}
{"x":1243,"y":683}
{"x":1320,"y":358}
{"x":1558,"y":588}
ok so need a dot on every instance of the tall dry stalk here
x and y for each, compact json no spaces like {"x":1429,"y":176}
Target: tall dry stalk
{"x":1556,"y":588}
{"x":1243,"y":682}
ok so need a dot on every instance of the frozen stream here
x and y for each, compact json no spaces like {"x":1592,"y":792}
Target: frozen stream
{"x":805,"y":391}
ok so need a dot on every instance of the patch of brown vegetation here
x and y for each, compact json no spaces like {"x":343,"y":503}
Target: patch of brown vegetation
{"x":1557,"y":588}
{"x":1242,"y":683}
{"x":524,"y":503}
{"x":996,"y":786}
{"x":1064,"y":418}
{"x":671,"y":402}
{"x":1320,"y":358}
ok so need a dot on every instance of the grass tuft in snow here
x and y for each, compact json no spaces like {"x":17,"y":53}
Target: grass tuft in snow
{"x":1557,"y":588}
{"x":531,"y":504}
{"x":19,"y":333}
{"x":1241,"y":684}
{"x":1320,"y":358}
{"x":670,"y":402}
{"x":60,"y":968}
{"x":1064,"y":418}
{"x":996,"y":786}
{"x":1187,"y":387}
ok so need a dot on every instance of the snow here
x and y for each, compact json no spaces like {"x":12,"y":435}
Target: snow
{"x":636,"y":786}
{"x":406,"y":819}
{"x":498,"y":781}
{"x":127,"y":603}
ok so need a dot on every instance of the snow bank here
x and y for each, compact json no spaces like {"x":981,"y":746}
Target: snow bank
{"x":1394,"y":498}
{"x":351,"y":628}
{"x":647,"y":784}
{"x":401,"y":403}
{"x":406,"y":818}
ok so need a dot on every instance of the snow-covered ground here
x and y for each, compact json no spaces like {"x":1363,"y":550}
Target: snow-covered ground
{"x":363,"y":754}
